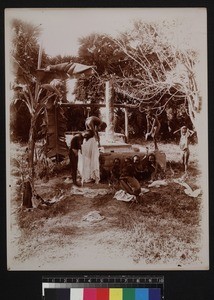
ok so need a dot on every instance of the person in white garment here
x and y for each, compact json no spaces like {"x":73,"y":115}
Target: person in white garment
{"x":89,"y":159}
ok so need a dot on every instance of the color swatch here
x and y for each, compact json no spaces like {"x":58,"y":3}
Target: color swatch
{"x":103,"y":294}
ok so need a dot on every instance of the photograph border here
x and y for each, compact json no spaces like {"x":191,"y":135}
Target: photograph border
{"x":185,"y":283}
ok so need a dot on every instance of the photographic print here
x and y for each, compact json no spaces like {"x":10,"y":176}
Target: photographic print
{"x":106,"y":139}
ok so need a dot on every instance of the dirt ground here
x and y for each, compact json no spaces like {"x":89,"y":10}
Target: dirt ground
{"x":162,"y":230}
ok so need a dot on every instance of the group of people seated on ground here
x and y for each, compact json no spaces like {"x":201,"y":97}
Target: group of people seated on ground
{"x":130,"y":173}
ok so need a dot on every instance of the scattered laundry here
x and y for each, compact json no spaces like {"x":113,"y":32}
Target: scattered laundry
{"x":39,"y":202}
{"x":36,"y":201}
{"x":121,"y":195}
{"x":158,"y":183}
{"x":144,"y":190}
{"x":192,"y":193}
{"x":88,"y":192}
{"x":55,"y":199}
{"x":188,"y":190}
{"x":67,"y":180}
{"x":93,"y":216}
{"x":181,"y":182}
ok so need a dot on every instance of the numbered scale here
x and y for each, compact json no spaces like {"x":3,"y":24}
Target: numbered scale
{"x":111,"y":282}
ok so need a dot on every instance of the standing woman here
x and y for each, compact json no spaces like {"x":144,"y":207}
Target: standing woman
{"x":89,"y":166}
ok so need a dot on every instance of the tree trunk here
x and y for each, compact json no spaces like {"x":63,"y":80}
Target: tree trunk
{"x":31,"y":149}
{"x":194,"y":115}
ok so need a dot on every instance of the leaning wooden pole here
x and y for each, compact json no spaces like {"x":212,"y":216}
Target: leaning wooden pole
{"x":39,"y":56}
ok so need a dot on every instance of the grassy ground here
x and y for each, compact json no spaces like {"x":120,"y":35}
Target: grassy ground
{"x":162,"y":229}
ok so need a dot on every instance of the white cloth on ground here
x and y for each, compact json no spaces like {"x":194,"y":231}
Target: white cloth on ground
{"x":143,"y":191}
{"x":188,"y":190}
{"x":93,"y":216}
{"x":88,"y":162}
{"x":67,"y":180}
{"x":158,"y":183}
{"x":88,"y":192}
{"x":121,"y":195}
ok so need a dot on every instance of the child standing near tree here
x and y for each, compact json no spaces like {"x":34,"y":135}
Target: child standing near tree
{"x":184,"y":144}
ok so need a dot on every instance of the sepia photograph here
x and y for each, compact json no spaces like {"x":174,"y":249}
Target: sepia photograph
{"x":106,"y":139}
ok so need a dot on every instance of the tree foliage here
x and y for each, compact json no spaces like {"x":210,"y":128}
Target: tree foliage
{"x":160,"y":74}
{"x":25,"y":50}
{"x":99,"y":50}
{"x":27,"y":88}
{"x":148,"y":70}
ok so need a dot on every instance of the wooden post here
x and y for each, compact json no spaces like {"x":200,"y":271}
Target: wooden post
{"x":126,"y":124}
{"x":40,"y":56}
{"x":109,"y":111}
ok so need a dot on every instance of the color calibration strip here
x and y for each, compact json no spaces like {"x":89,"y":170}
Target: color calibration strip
{"x":103,"y":294}
{"x":111,"y":287}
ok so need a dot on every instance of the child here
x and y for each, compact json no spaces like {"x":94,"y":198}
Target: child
{"x":115,"y":171}
{"x":127,"y":180}
{"x":184,"y":144}
{"x":138,"y":171}
{"x":104,"y":172}
{"x":154,"y":169}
